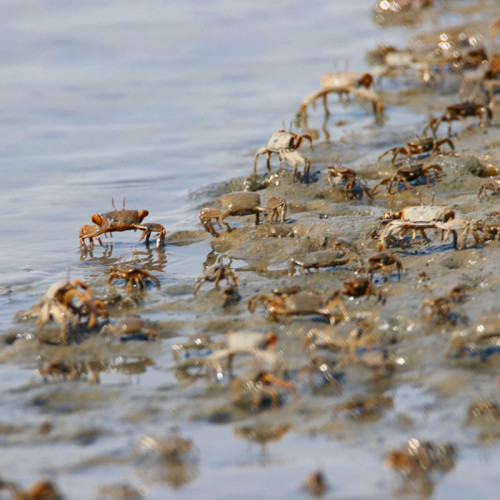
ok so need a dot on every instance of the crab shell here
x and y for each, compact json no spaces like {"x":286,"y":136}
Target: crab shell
{"x":240,"y":203}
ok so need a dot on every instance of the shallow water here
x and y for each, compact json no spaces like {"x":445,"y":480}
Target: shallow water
{"x":158,"y":104}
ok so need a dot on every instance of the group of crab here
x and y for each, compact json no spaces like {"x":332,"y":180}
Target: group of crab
{"x":349,"y":340}
{"x":352,"y":338}
{"x":72,"y":305}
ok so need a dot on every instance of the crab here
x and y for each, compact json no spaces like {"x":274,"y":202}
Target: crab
{"x":342,"y":83}
{"x":342,"y":254}
{"x":41,"y":490}
{"x":215,"y":274}
{"x":391,"y":61}
{"x":418,"y":147}
{"x":493,"y":186}
{"x":281,"y":140}
{"x":382,"y":261}
{"x":482,"y":339}
{"x":464,"y":226}
{"x":359,"y":407}
{"x":421,"y":457}
{"x":408,"y":173}
{"x":239,"y":204}
{"x":486,"y":410}
{"x":121,"y":220}
{"x":416,"y":219}
{"x":134,"y":276}
{"x":131,"y":328}
{"x":202,"y":344}
{"x":399,"y":11}
{"x":321,"y":372}
{"x":347,"y":336}
{"x":281,"y":306}
{"x":351,"y":181}
{"x":295,"y":160}
{"x":68,"y":303}
{"x":460,"y":111}
{"x":260,"y":391}
{"x":258,"y":345}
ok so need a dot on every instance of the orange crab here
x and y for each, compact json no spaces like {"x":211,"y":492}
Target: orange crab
{"x":121,"y":220}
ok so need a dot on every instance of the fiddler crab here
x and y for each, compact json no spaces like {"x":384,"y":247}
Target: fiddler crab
{"x":260,"y":391}
{"x":121,"y":220}
{"x":363,"y":408}
{"x":352,"y":182}
{"x":382,"y":262}
{"x":409,"y":173}
{"x":417,"y":219}
{"x":421,"y":457}
{"x":259,"y":346}
{"x":493,"y":186}
{"x":284,"y":305}
{"x":343,"y":252}
{"x":242,"y":203}
{"x":483,"y":340}
{"x":215,"y":274}
{"x":443,"y":307}
{"x":132,"y":328}
{"x":133,"y":276}
{"x":460,"y":111}
{"x":77,"y":370}
{"x":347,"y":336}
{"x":71,"y":304}
{"x":421,"y":146}
{"x":41,"y":490}
{"x":284,"y":143}
{"x":342,"y":83}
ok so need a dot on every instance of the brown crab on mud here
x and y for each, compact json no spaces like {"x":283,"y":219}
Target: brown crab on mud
{"x":460,"y":111}
{"x":418,"y":147}
{"x":409,"y":173}
{"x":242,"y":203}
{"x":284,"y":143}
{"x":132,"y":275}
{"x":282,"y":306}
{"x":354,"y":184}
{"x":121,"y":220}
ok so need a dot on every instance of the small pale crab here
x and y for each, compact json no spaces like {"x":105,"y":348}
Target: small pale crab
{"x":242,"y":203}
{"x":409,"y":173}
{"x":342,"y":83}
{"x":134,"y":276}
{"x":121,"y":220}
{"x":415,"y":219}
{"x":354,"y":185}
{"x":281,"y":141}
{"x":423,"y":145}
{"x":460,"y":111}
{"x":70,"y":304}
